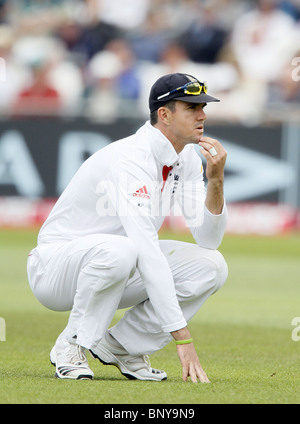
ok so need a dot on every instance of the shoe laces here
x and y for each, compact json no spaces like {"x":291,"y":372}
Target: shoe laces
{"x":77,"y":354}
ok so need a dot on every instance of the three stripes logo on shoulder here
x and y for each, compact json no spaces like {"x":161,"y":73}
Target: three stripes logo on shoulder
{"x":2,"y":330}
{"x":142,"y":192}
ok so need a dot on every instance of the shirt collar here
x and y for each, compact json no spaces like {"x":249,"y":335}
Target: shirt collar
{"x":162,"y":147}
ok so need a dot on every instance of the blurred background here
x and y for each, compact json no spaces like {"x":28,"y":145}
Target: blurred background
{"x":75,"y":75}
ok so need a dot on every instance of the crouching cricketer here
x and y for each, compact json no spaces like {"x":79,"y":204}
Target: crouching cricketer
{"x":99,"y":249}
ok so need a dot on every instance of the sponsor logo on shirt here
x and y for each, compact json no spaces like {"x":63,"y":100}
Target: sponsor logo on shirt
{"x":142,"y":192}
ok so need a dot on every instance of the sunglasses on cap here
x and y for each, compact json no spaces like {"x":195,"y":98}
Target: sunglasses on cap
{"x":191,"y":88}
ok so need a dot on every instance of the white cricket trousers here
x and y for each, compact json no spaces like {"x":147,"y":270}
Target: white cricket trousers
{"x":93,"y":276}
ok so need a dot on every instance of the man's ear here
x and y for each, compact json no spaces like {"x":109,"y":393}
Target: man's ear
{"x":164,"y":115}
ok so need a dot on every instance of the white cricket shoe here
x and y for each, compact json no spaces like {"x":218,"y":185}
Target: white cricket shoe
{"x":132,"y":367}
{"x":70,"y":361}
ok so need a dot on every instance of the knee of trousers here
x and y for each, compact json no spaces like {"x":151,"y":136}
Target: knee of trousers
{"x":211,"y":269}
{"x":119,"y":258}
{"x":218,"y":266}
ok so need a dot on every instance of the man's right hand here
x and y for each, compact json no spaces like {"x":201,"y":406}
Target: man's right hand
{"x":187,"y":354}
{"x":191,"y":366}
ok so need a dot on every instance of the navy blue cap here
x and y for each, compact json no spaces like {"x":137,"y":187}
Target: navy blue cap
{"x":170,"y":82}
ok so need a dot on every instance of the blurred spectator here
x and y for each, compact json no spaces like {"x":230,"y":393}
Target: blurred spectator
{"x":63,"y":51}
{"x":149,"y":40}
{"x":125,"y":14}
{"x":204,"y":38}
{"x":174,"y":16}
{"x":15,"y":74}
{"x":3,"y":11}
{"x":103,"y":98}
{"x":47,"y":59}
{"x":66,"y":78}
{"x":291,"y":7}
{"x":40,"y":98}
{"x":128,"y":81}
{"x":174,"y":58}
{"x":228,"y":11}
{"x":108,"y":20}
{"x":94,"y":37}
{"x":36,"y":16}
{"x":262,"y":40}
{"x":242,"y":101}
{"x":113,"y":82}
{"x":73,"y":35}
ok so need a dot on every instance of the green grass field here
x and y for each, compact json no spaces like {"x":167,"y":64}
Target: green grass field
{"x":242,"y":335}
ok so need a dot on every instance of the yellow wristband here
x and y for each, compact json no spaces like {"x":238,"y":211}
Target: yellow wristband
{"x":181,"y":342}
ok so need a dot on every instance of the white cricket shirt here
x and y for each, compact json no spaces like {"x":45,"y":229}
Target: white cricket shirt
{"x":121,"y":190}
